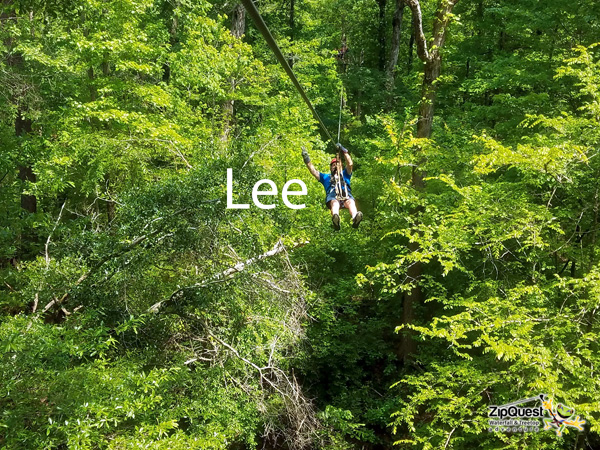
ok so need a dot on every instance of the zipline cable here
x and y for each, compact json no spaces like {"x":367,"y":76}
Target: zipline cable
{"x":341,"y":106}
{"x":262,"y":27}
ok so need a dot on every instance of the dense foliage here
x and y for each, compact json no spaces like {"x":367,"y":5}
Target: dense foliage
{"x":137,"y":311}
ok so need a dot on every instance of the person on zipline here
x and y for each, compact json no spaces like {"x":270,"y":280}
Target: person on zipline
{"x":327,"y":180}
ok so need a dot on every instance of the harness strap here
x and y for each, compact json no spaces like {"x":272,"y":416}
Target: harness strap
{"x":341,"y":189}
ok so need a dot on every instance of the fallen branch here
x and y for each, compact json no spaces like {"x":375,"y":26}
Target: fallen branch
{"x":278,"y":248}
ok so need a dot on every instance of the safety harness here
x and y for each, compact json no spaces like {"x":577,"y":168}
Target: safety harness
{"x":341,"y":188}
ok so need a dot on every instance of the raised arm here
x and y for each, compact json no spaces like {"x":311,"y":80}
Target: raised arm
{"x":311,"y":168}
{"x":346,"y":158}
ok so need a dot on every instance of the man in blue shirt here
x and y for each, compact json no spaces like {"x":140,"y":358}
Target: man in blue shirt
{"x":327,"y":180}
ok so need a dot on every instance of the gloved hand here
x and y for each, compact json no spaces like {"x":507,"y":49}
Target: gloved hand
{"x":305,"y":156}
{"x":341,"y":147}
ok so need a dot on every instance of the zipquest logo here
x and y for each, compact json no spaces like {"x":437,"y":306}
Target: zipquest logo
{"x":513,"y":418}
{"x":515,"y":411}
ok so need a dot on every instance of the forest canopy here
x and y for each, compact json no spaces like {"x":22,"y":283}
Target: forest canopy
{"x":138,"y":311}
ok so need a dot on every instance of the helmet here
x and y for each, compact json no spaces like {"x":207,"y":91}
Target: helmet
{"x":333,"y":161}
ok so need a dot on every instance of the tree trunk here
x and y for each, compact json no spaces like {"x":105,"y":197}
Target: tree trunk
{"x":411,"y":46}
{"x":28,"y":238}
{"x":110,"y":204}
{"x":292,"y":19}
{"x":395,"y":48}
{"x":433,"y":63}
{"x":431,"y":73}
{"x":22,"y":126}
{"x":238,"y":26}
{"x":172,"y":24}
{"x":381,"y":33}
{"x":91,"y":78}
{"x":238,"y":21}
{"x":28,"y":202}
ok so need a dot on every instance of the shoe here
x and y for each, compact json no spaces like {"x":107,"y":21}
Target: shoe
{"x":356,"y":220}
{"x":336,"y":222}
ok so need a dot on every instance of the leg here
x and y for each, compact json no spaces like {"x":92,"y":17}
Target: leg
{"x":354,"y":212}
{"x":351,"y":205}
{"x":334,"y":207}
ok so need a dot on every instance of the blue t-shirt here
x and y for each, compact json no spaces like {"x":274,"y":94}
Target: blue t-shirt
{"x":327,"y":181}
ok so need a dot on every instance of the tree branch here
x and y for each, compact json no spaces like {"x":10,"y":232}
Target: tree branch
{"x":47,"y":254}
{"x":440,"y":25}
{"x":82,"y":278}
{"x":99,"y":264}
{"x":417,"y":20}
{"x":229,"y":273}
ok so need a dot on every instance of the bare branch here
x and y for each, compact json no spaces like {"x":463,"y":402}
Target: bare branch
{"x":440,"y":26}
{"x":417,"y":21}
{"x":258,"y":370}
{"x":449,"y":436}
{"x":300,"y":430}
{"x":276,"y":137}
{"x":229,"y":273}
{"x":52,"y":232}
